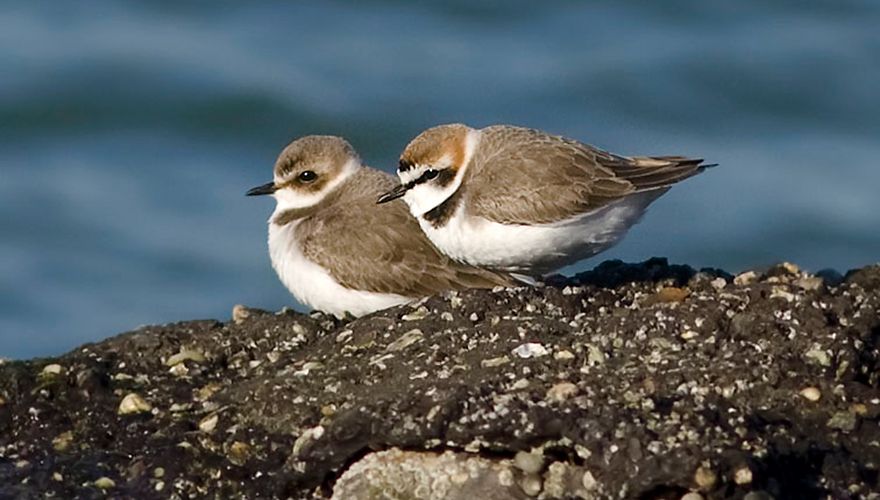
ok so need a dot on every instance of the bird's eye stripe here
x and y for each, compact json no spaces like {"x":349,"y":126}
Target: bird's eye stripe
{"x":425,"y":177}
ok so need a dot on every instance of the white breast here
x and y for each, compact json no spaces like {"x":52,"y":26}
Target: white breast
{"x":539,"y":248}
{"x":313,"y":286}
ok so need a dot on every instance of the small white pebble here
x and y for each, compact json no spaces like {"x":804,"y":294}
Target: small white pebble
{"x":492,"y":362}
{"x":811,"y":393}
{"x":743,"y":475}
{"x":530,"y":463}
{"x":530,"y":350}
{"x":705,"y":478}
{"x":563,"y":355}
{"x":689,"y":334}
{"x":562,"y":392}
{"x":745,"y":278}
{"x":209,"y":423}
{"x":52,"y":370}
{"x":134,"y":403}
{"x":588,"y":481}
{"x":105,"y":483}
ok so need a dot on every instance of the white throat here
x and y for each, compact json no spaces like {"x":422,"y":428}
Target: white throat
{"x":287,"y":199}
{"x":425,"y":197}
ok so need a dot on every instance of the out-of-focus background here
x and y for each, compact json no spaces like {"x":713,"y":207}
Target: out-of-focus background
{"x":129,"y":132}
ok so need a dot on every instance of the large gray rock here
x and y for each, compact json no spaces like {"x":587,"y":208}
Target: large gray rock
{"x":630,"y":381}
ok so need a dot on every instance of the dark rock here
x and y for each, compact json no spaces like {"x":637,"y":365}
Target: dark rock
{"x":641,"y":380}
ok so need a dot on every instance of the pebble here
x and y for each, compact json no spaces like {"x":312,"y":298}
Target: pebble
{"x":531,"y":485}
{"x":589,"y":482}
{"x":420,"y":313}
{"x":62,"y":441}
{"x":790,"y":268}
{"x":209,"y":423}
{"x":240,"y":314}
{"x":132,"y":404}
{"x":692,"y":496}
{"x":781,"y":293}
{"x":239,"y":452}
{"x":530,"y":463}
{"x":705,"y":478}
{"x":57,"y":477}
{"x":743,"y":475}
{"x":344,"y":335}
{"x":505,"y":477}
{"x":493,"y":362}
{"x":308,"y":367}
{"x":670,"y":294}
{"x":306,"y":438}
{"x":185,"y":355}
{"x":159,"y":472}
{"x":563,"y":355}
{"x":52,"y":370}
{"x":555,"y":480}
{"x":207,"y":391}
{"x":843,"y":420}
{"x":818,"y":355}
{"x":530,"y":350}
{"x":520,"y":385}
{"x":179,"y":370}
{"x":407,"y":339}
{"x":809,"y":283}
{"x":745,"y":278}
{"x":595,"y":356}
{"x":689,"y":334}
{"x":562,"y":392}
{"x":811,"y":393}
{"x":105,"y":483}
{"x":718,"y":283}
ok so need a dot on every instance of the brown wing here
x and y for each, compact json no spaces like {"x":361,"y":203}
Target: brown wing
{"x":525,"y":176}
{"x":381,"y":248}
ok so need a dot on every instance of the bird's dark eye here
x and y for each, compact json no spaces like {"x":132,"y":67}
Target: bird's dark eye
{"x":431,"y":173}
{"x":307,"y":176}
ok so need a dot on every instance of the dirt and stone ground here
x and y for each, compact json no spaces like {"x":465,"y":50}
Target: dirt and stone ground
{"x":629,"y":381}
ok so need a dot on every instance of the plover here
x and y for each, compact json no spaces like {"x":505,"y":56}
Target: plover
{"x":525,"y":201}
{"x":338,"y":252}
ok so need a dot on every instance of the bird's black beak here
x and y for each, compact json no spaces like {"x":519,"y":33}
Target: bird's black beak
{"x":394,"y":194}
{"x":267,"y":188}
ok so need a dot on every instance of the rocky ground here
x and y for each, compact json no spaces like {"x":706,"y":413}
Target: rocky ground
{"x":630,"y":381}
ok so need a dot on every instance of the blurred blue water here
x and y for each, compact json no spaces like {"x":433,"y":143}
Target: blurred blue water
{"x":129,"y":132}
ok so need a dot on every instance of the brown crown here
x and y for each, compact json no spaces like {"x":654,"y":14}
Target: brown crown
{"x":432,"y":144}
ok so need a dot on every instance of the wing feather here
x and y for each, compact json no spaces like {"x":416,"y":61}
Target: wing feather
{"x":381,"y":248}
{"x":525,"y":176}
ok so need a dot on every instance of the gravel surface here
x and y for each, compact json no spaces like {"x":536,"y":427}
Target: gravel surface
{"x":629,"y":381}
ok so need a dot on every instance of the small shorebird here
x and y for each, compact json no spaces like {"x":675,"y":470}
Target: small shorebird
{"x":338,"y":252}
{"x":522,"y":200}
